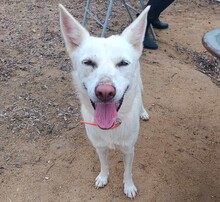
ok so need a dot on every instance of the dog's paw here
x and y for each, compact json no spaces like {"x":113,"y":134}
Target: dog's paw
{"x":144,"y":115}
{"x":101,"y":181}
{"x":130,"y":190}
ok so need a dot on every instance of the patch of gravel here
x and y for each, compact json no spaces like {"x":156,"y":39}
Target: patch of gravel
{"x":32,"y":117}
{"x":204,"y":62}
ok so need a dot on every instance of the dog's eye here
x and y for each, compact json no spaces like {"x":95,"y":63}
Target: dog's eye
{"x":122,"y":63}
{"x":89,"y":63}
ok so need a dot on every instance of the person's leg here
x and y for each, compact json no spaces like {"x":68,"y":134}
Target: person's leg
{"x":148,"y":42}
{"x":158,"y":6}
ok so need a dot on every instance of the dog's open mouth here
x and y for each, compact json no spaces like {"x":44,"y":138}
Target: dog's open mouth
{"x":106,"y":113}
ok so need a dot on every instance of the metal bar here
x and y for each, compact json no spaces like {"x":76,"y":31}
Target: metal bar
{"x":142,"y":4}
{"x":153,"y":32}
{"x":127,"y":6}
{"x":85,"y":13}
{"x":95,"y":18}
{"x":107,"y":18}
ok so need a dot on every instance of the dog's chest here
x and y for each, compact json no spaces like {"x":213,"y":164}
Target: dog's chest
{"x":113,"y":138}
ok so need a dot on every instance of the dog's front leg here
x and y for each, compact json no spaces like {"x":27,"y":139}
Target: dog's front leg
{"x":102,"y":178}
{"x":129,"y":188}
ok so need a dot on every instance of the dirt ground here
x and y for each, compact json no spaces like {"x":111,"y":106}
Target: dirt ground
{"x":44,"y":152}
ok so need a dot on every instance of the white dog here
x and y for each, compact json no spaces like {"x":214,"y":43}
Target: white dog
{"x":107,"y":76}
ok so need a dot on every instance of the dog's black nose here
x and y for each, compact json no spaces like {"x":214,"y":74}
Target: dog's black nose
{"x":105,"y":92}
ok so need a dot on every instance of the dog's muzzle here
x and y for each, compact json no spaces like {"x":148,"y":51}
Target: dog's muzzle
{"x":106,"y":109}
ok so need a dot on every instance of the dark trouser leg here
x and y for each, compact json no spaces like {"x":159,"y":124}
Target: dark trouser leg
{"x":157,"y":6}
{"x":148,"y":42}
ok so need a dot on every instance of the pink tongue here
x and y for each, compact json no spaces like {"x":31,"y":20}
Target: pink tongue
{"x":105,"y":115}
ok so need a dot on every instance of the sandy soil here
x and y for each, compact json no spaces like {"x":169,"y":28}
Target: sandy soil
{"x":44,"y":151}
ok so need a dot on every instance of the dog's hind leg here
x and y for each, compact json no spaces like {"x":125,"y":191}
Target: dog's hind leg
{"x":102,"y":178}
{"x":129,"y":188}
{"x":143,"y":115}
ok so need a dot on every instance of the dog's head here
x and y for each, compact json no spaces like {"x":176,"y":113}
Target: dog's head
{"x":104,"y":68}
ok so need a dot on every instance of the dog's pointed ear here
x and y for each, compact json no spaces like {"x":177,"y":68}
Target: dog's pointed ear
{"x":135,"y":32}
{"x":73,"y":32}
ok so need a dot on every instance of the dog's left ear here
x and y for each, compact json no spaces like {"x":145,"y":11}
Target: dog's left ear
{"x":73,"y":33}
{"x":135,"y":32}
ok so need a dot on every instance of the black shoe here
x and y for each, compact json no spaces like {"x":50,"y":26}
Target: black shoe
{"x":159,"y":25}
{"x":149,"y":43}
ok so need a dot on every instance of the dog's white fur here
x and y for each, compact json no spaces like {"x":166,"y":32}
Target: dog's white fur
{"x":107,"y":53}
